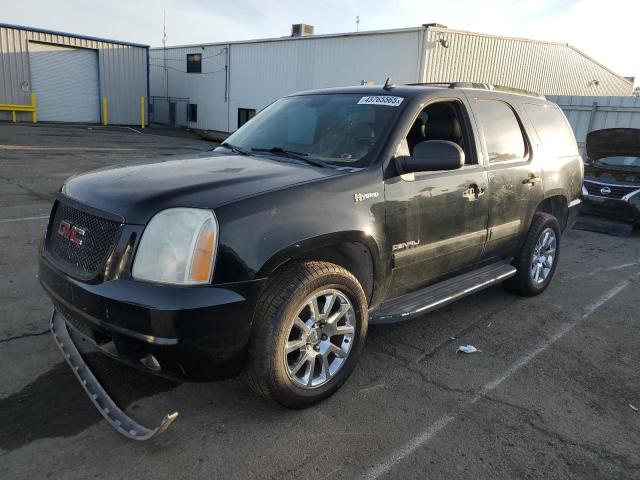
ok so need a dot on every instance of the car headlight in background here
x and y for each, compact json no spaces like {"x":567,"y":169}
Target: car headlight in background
{"x":584,"y":191}
{"x":178,"y":246}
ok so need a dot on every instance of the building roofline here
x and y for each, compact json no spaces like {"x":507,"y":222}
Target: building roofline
{"x":523,"y":39}
{"x":73,"y":35}
{"x":289,"y":38}
{"x":430,"y":27}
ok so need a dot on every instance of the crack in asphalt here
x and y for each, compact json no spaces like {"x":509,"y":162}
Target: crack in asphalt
{"x":24,"y":335}
{"x":601,"y":452}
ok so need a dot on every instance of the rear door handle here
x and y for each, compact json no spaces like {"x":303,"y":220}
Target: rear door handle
{"x":532,"y":179}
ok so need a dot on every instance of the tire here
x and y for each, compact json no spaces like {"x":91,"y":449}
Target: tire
{"x":524,"y":282}
{"x":289,"y":295}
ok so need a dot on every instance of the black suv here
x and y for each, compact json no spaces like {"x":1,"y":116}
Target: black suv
{"x":328,"y":211}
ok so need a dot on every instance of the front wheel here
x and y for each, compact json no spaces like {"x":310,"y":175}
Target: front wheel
{"x":537,"y":261}
{"x":309,"y":330}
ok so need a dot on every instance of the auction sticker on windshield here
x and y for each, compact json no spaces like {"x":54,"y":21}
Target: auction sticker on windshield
{"x":387,"y":100}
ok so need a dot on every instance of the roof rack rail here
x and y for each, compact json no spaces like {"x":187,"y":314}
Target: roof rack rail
{"x":481,"y":86}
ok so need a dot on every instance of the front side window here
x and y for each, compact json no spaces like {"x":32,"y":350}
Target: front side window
{"x":334,"y":128}
{"x":502,"y":134}
{"x":194,"y":63}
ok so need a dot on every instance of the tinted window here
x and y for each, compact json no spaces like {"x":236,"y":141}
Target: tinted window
{"x":340,"y":128}
{"x":552,"y":128}
{"x":194,"y":63}
{"x":502,"y":133}
{"x":620,"y":161}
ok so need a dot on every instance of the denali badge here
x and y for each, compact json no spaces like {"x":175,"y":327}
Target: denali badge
{"x":605,"y":190}
{"x":361,"y":197}
{"x":404,"y":245}
{"x":71,"y":232}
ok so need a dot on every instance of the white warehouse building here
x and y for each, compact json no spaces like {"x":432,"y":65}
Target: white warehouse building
{"x":219,"y":86}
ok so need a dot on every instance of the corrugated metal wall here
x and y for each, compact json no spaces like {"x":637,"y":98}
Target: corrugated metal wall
{"x":123,"y":71}
{"x":263,"y":71}
{"x":544,"y":67}
{"x":586,"y":114}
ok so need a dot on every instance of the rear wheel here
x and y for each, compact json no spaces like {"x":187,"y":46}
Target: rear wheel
{"x":309,"y":331}
{"x":538,"y":258}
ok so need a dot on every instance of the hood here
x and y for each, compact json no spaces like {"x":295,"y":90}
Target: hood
{"x":611,"y":142}
{"x":138,"y":192}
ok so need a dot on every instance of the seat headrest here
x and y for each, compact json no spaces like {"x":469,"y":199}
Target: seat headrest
{"x":443,"y":128}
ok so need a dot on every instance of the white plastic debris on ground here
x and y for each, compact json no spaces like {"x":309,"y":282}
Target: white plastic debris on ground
{"x":467,"y":349}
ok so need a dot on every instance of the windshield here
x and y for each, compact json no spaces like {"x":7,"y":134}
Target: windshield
{"x":620,"y":161}
{"x":335,"y":128}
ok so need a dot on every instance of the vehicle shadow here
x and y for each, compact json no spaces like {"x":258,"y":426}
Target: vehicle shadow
{"x":55,"y":405}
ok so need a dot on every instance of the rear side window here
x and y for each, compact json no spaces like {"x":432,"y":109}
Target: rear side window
{"x":554,"y":131}
{"x":502,"y":133}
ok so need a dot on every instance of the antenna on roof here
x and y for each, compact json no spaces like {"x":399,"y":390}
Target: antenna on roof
{"x":388,"y":84}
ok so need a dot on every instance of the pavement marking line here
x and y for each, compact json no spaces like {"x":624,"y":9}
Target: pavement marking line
{"x":23,"y":219}
{"x":604,"y":269}
{"x":426,"y":435}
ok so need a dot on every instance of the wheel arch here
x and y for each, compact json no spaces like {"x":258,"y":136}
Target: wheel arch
{"x":355,"y":251}
{"x":556,"y":204}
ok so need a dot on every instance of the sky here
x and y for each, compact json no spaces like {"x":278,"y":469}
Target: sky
{"x":605,"y":30}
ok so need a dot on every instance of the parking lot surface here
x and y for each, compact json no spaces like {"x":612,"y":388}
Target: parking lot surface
{"x":554,"y":392}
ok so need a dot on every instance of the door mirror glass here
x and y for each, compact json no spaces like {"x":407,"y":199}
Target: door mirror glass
{"x":430,"y":156}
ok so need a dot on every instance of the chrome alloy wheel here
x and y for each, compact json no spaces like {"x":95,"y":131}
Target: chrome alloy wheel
{"x":320,"y":338}
{"x":544,"y":254}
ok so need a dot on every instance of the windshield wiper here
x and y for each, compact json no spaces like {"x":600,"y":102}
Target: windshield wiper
{"x":235,"y":149}
{"x":295,"y":155}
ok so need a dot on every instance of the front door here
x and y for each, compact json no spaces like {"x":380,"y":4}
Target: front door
{"x":436,"y":221}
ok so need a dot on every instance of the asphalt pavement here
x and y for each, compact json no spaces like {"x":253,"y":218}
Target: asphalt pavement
{"x":554,"y":392}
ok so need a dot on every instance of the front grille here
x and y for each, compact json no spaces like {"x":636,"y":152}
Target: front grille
{"x":617,"y":191}
{"x":88,"y":253}
{"x":76,"y":321}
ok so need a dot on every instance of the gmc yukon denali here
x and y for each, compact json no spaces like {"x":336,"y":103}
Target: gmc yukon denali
{"x":329,"y":211}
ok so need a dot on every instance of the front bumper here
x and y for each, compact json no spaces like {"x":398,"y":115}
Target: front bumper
{"x":622,"y":209}
{"x":184,"y":333}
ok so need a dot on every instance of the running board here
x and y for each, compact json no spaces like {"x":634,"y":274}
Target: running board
{"x":435,"y":296}
{"x":119,"y":420}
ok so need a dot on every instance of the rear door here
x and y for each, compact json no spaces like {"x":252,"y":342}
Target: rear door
{"x":514,"y":173}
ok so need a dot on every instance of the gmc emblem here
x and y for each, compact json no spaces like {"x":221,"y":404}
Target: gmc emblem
{"x":71,"y":232}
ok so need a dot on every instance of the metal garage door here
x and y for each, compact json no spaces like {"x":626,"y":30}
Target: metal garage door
{"x":65,"y":81}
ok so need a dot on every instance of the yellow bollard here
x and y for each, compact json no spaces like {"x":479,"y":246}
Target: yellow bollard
{"x":13,"y":116}
{"x":34,"y":114}
{"x":142,"y":111}
{"x":105,"y":112}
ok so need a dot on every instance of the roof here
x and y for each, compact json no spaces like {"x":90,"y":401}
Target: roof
{"x":408,"y":91}
{"x":74,"y":35}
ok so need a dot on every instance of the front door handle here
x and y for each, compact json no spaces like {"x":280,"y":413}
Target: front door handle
{"x":532,"y":179}
{"x":473,"y":193}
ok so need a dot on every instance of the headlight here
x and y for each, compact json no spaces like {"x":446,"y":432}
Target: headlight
{"x":178,"y":246}
{"x":585,"y":192}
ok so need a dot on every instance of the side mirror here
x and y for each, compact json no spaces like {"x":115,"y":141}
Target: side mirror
{"x":432,"y":155}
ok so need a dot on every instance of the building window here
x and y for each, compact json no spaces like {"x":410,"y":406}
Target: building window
{"x":194,"y":63}
{"x":244,"y":115}
{"x":192,"y":112}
